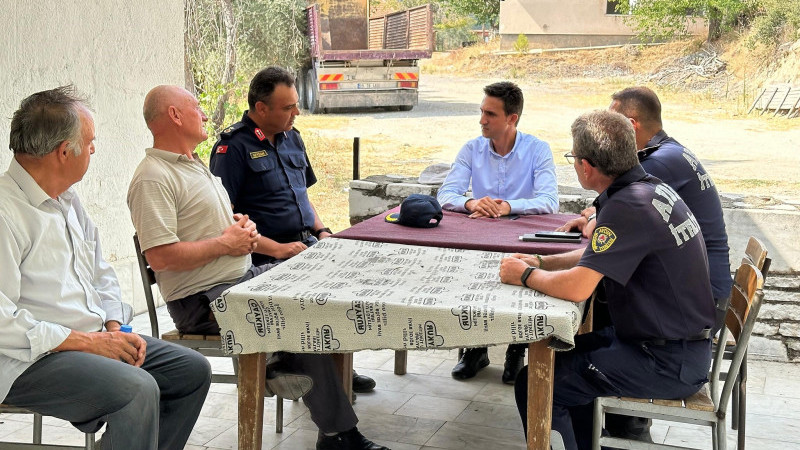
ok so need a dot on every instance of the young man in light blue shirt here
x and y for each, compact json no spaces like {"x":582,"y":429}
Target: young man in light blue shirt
{"x":511,"y":173}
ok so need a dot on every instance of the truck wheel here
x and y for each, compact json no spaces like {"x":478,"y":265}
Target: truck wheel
{"x":405,"y":107}
{"x":300,"y":84}
{"x":312,"y":92}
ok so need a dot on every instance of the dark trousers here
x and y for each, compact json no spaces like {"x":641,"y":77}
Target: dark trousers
{"x":330,"y":409}
{"x":602,"y":365}
{"x":155,"y":406}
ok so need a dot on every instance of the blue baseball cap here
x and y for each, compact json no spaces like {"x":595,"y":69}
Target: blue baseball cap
{"x":417,"y":210}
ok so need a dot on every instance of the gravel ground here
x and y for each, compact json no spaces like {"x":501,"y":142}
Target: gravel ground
{"x":732,"y":149}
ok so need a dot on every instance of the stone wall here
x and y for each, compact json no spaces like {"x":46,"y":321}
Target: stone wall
{"x":777,"y":333}
{"x":113,"y":51}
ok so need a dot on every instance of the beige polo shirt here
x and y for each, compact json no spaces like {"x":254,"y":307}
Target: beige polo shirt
{"x":176,"y":199}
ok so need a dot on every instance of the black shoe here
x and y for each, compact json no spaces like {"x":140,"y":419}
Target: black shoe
{"x":515,"y":359}
{"x":287,"y":385}
{"x":628,"y":427}
{"x":362,"y":383}
{"x":474,"y":359}
{"x":347,"y":440}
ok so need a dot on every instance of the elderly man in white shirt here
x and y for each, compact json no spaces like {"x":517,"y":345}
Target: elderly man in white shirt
{"x":62,"y":353}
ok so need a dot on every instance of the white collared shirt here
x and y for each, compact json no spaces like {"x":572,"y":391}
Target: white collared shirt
{"x":54,"y":277}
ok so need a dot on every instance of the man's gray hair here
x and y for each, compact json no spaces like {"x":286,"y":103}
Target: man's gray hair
{"x":607,"y":140}
{"x":46,"y":119}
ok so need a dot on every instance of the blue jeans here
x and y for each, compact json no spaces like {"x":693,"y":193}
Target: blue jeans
{"x":152,"y":407}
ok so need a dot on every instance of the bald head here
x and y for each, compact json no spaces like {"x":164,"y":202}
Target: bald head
{"x":158,"y":101}
{"x":175,"y":118}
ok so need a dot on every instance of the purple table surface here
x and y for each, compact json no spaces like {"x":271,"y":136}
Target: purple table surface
{"x":456,"y":230}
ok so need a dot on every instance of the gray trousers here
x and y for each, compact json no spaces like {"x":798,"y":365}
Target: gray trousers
{"x":329,"y":407}
{"x":152,"y":407}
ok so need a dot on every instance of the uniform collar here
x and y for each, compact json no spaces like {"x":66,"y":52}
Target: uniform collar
{"x":652,"y":145}
{"x":251,"y":125}
{"x":637,"y":173}
{"x":35,"y":194}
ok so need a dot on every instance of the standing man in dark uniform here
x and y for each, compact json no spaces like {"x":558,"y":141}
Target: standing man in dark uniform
{"x":649,"y":255}
{"x":263,"y":165}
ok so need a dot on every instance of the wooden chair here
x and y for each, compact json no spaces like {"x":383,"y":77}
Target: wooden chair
{"x":206,"y":344}
{"x":701,"y":408}
{"x":756,"y":254}
{"x":37,"y":434}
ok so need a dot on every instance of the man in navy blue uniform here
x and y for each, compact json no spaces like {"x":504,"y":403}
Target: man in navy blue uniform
{"x":663,"y":157}
{"x":263,"y":165}
{"x":648,"y":253}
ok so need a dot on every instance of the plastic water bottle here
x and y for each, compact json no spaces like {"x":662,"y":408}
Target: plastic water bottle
{"x":126,"y":328}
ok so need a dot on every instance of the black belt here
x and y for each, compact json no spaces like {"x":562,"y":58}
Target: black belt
{"x":705,"y":334}
{"x":286,"y":238}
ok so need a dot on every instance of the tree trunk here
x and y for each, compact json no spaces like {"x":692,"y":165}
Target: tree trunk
{"x":230,"y":63}
{"x":714,"y":24}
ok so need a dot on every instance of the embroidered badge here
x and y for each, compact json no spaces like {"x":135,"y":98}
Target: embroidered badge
{"x":222,"y":149}
{"x":260,"y":134}
{"x":258,"y":154}
{"x":602,"y":239}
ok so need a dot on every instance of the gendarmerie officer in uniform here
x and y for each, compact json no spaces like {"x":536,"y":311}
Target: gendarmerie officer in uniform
{"x":263,"y":165}
{"x":649,"y":254}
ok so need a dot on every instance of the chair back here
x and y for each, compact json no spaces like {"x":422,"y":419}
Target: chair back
{"x":746,"y":297}
{"x":756,"y":254}
{"x":148,"y":280}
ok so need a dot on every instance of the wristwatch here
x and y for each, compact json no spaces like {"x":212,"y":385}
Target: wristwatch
{"x":591,"y":216}
{"x":526,"y":274}
{"x":318,"y":232}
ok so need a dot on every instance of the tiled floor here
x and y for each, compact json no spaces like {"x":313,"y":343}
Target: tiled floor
{"x":426,"y":409}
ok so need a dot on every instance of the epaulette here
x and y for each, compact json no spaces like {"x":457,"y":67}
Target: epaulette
{"x":231,"y":130}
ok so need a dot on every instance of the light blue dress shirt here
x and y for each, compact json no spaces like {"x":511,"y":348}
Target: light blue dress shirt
{"x":525,"y":177}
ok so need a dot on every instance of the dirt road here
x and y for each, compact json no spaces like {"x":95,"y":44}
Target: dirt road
{"x":753,"y":155}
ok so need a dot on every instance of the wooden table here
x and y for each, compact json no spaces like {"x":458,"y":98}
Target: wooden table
{"x":341,"y":296}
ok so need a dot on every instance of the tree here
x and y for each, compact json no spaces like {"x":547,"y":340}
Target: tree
{"x":486,"y":12}
{"x":667,"y":19}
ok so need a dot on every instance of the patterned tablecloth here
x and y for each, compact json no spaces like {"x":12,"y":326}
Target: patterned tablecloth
{"x":345,"y":295}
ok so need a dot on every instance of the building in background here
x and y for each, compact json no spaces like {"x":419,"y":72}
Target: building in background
{"x":568,"y":23}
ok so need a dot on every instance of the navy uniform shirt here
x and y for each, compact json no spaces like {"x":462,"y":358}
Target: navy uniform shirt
{"x":647,"y":245}
{"x":666,"y":159}
{"x":269,"y":183}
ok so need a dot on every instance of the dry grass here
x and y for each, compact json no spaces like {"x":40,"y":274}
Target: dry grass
{"x":332,"y":159}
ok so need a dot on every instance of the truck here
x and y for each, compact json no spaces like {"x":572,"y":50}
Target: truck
{"x":357,"y":61}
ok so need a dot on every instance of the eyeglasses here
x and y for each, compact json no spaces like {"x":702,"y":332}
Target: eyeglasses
{"x":571,"y":158}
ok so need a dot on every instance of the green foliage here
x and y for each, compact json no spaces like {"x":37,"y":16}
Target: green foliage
{"x":454,"y":32}
{"x":521,"y":45}
{"x":658,"y":20}
{"x":774,"y":21}
{"x":485,"y":12}
{"x":267,"y":32}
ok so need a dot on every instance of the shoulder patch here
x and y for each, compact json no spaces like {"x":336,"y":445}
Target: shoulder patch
{"x":228,"y":132}
{"x":222,"y":149}
{"x":602,"y":239}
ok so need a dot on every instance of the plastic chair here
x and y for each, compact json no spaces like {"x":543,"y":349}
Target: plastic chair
{"x":700,"y":408}
{"x":206,"y":344}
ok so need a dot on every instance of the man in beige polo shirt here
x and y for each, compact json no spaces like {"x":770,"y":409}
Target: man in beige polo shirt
{"x":198,"y":247}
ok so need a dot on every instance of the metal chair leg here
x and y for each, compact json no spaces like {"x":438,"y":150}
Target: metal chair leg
{"x":90,"y":443}
{"x":278,"y":414}
{"x":37,"y":428}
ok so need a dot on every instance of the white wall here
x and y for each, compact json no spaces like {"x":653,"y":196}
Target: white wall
{"x":114,"y":51}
